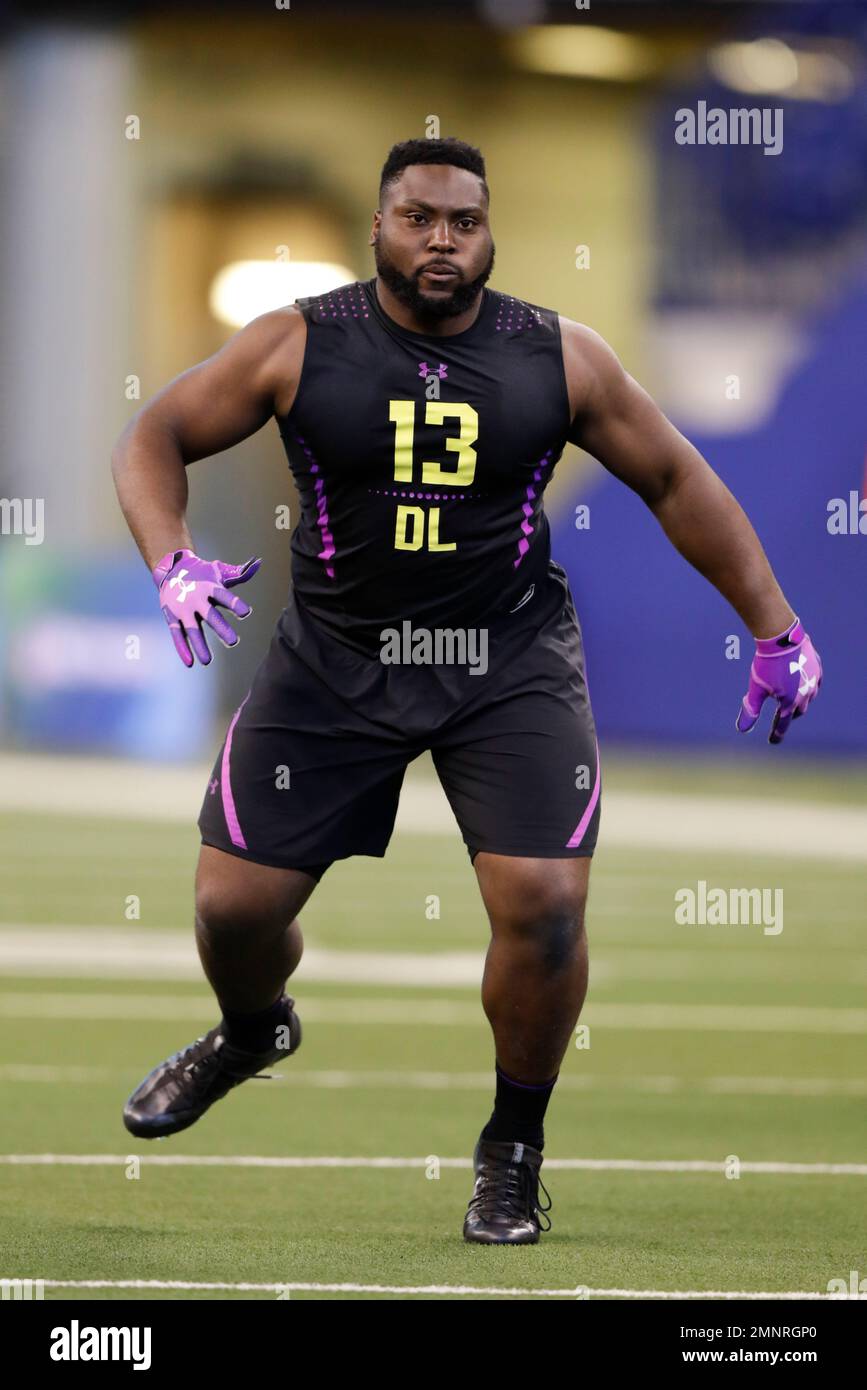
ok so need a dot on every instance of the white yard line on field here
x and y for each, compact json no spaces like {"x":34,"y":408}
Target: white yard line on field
{"x":60,"y":950}
{"x":714,"y":1018}
{"x":738,"y":1018}
{"x":110,"y":953}
{"x":129,"y":790}
{"x":602,"y":1165}
{"x":454,"y":1290}
{"x":816,"y":1087}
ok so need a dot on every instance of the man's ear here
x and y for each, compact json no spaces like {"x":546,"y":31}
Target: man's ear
{"x":377,"y":219}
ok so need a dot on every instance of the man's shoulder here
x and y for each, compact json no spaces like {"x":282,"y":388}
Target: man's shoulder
{"x":271,"y":331}
{"x":586,"y":351}
{"x":280,"y":337}
{"x":593,"y":369}
{"x":581,"y":337}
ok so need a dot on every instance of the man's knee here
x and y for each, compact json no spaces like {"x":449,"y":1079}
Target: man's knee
{"x":233,"y":894}
{"x":544,"y":909}
{"x":220,"y":911}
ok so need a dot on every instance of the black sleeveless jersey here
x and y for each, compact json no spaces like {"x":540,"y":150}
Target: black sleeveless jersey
{"x":421,"y":463}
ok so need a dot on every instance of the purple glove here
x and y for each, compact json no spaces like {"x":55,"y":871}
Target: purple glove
{"x":785,"y":668}
{"x":189,"y":590}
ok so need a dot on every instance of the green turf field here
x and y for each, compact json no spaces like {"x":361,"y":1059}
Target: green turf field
{"x":705,"y":1043}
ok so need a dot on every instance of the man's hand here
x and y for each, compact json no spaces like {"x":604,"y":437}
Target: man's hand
{"x":189,"y":589}
{"x":785,"y":668}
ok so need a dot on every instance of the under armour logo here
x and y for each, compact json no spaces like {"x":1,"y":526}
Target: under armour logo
{"x":809,"y":681}
{"x":213,"y":785}
{"x":441,"y":371}
{"x":183,"y":589}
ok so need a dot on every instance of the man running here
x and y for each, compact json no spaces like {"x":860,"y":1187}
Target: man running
{"x":422,"y":415}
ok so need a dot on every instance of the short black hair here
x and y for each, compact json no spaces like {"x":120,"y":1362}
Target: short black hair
{"x":446,"y":151}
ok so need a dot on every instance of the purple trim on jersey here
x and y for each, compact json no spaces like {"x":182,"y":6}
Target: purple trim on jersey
{"x":527,"y":509}
{"x":328,"y":550}
{"x":581,"y":828}
{"x":235,"y":831}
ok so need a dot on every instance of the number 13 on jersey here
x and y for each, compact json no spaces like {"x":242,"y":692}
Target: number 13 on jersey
{"x":413,"y":519}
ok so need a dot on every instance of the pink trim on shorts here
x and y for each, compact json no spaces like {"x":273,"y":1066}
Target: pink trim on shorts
{"x":581,"y":828}
{"x":235,"y":832}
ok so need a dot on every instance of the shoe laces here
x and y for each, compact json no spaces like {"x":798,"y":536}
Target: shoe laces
{"x":202,"y":1054}
{"x":196,"y":1055}
{"x":512,"y":1188}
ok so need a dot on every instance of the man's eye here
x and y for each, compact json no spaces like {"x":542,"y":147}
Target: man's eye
{"x":470,"y":220}
{"x":418,"y":214}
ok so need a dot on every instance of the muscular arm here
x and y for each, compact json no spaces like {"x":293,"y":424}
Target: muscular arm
{"x":205,"y":410}
{"x":616,"y":421}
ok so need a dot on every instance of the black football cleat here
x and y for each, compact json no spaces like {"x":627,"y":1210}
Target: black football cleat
{"x":179,"y":1091}
{"x":504,"y":1208}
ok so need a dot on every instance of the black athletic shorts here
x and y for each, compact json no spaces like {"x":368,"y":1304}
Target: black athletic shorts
{"x":313,"y":760}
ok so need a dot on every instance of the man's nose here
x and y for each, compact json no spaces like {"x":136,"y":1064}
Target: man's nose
{"x":441,"y":236}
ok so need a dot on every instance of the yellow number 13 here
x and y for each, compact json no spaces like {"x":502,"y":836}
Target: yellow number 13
{"x":402,"y":416}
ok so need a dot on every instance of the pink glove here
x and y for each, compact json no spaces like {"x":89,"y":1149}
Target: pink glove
{"x":785,"y":668}
{"x":189,"y":590}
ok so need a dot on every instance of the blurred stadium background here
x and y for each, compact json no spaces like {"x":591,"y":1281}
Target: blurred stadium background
{"x":168,"y":173}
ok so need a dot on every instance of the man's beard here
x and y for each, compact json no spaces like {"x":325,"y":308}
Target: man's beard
{"x":426,"y":308}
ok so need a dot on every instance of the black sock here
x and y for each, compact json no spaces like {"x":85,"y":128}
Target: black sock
{"x":255,"y":1032}
{"x":519,"y":1111}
